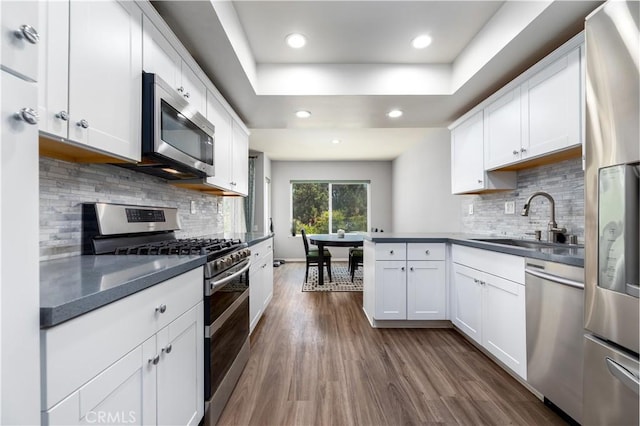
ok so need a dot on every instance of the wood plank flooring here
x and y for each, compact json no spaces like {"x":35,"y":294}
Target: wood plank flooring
{"x":315,"y":360}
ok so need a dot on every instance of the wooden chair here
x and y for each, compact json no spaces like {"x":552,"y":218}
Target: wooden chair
{"x":312,"y":257}
{"x":356,"y":258}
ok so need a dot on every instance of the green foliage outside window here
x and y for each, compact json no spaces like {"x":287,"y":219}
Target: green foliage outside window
{"x":313,"y":212}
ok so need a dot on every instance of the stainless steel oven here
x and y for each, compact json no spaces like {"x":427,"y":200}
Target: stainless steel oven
{"x":226,"y":335}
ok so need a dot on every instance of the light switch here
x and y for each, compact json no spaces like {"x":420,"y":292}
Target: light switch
{"x":470,"y":208}
{"x":193,"y":207}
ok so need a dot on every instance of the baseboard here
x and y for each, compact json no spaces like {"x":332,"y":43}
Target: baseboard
{"x":410,"y":323}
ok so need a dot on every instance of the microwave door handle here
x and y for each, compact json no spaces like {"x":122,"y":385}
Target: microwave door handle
{"x":629,"y":379}
{"x":633,"y":290}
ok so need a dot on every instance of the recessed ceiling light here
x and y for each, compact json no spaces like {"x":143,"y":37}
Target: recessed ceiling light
{"x":335,"y":141}
{"x":296,"y":40}
{"x":303,"y":114}
{"x":394,"y":113}
{"x":421,"y":41}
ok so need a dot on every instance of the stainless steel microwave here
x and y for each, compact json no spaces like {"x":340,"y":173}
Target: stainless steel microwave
{"x":177,"y":140}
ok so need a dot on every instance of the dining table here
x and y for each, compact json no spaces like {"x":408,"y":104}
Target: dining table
{"x":333,"y":240}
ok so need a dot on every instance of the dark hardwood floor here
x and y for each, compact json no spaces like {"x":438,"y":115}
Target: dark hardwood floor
{"x":315,"y":360}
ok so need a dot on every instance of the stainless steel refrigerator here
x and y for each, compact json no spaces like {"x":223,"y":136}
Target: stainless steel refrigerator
{"x":612,"y":204}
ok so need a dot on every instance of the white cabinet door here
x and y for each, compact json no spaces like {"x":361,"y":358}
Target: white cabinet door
{"x":53,"y":68}
{"x":426,"y":290}
{"x":255,"y":295}
{"x":503,"y":130}
{"x":467,"y":301}
{"x":503,"y":322}
{"x":105,"y":75}
{"x":267,"y":280}
{"x":19,"y":42}
{"x":19,"y":272}
{"x":552,"y":107}
{"x":467,"y":167}
{"x":240,"y":167}
{"x":194,"y":89}
{"x":180,"y":370}
{"x":221,"y":119}
{"x":124,"y":393}
{"x":158,"y":56}
{"x":391,"y":290}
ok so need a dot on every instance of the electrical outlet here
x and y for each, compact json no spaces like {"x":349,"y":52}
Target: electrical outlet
{"x":509,"y":207}
{"x":470,"y":208}
{"x":193,"y":207}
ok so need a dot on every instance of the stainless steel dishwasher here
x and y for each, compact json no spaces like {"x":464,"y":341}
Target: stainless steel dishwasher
{"x":555,"y":305}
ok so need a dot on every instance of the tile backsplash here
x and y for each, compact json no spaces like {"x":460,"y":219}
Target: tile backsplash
{"x":564,"y":181}
{"x":64,"y":186}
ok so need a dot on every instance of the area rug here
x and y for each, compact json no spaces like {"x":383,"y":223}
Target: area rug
{"x":341,"y":279}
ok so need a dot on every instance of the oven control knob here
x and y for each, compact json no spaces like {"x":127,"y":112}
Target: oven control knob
{"x":228,"y":261}
{"x":246,"y":252}
{"x":217,"y":265}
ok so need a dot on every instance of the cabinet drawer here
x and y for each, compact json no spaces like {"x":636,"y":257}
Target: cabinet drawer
{"x":77,"y":350}
{"x":499,"y":264}
{"x":393,"y":251}
{"x":261,"y":249}
{"x":425,"y":251}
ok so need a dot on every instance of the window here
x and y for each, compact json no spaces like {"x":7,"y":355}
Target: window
{"x":324,"y":207}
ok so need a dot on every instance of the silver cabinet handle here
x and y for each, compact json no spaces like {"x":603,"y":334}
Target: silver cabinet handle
{"x":187,"y":95}
{"x":426,"y":252}
{"x":476,"y":281}
{"x":629,"y":379}
{"x":29,"y":33}
{"x":523,"y":150}
{"x":162,"y":308}
{"x":264,"y":266}
{"x":167,"y":349}
{"x":402,"y":268}
{"x":479,"y":180}
{"x":62,"y":115}
{"x":155,"y":360}
{"x":27,"y":114}
{"x":515,"y":152}
{"x":390,"y":251}
{"x":180,"y":89}
{"x":83,"y":123}
{"x":411,"y":269}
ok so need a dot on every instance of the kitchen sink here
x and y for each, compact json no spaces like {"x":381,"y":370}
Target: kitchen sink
{"x":532,"y":244}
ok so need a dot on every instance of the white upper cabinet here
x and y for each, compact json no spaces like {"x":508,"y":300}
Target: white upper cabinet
{"x":105,"y":76}
{"x":221,"y":119}
{"x":467,"y":168}
{"x":503,"y":130}
{"x":240,"y":163}
{"x":539,"y":114}
{"x":161,"y":58}
{"x":551,"y":103}
{"x":193,"y":89}
{"x":158,"y":56}
{"x":21,"y":38}
{"x":91,"y":93}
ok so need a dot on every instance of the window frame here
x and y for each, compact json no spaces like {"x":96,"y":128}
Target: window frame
{"x":330,"y":184}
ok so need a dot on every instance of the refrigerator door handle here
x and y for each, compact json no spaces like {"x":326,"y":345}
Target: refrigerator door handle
{"x":629,"y":379}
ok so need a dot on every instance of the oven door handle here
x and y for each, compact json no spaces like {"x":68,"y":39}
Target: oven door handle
{"x":212,"y":286}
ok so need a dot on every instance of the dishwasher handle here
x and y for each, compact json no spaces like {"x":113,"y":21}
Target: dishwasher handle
{"x":555,"y":278}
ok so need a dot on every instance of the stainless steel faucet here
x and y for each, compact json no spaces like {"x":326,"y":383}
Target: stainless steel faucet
{"x":554,"y":234}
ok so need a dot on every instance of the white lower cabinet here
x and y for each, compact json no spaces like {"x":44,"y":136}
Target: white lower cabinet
{"x":391,"y":290}
{"x":158,"y":381}
{"x":426,"y":290}
{"x":491,"y":309}
{"x":408,"y":287}
{"x":260,"y":280}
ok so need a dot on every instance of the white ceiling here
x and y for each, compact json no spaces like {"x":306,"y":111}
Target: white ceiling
{"x":358,"y":64}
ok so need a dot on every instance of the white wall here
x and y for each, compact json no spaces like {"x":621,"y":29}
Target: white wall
{"x":422,"y":200}
{"x":283,"y":172}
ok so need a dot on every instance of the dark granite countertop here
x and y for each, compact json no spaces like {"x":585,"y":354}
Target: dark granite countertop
{"x":567,"y":254}
{"x":253,"y":238}
{"x":73,"y":286}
